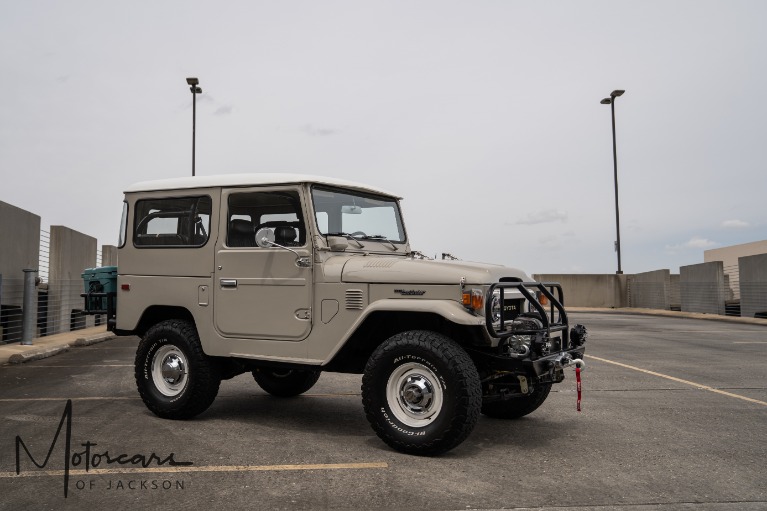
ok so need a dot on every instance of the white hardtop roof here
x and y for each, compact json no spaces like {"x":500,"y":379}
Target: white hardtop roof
{"x":254,"y":179}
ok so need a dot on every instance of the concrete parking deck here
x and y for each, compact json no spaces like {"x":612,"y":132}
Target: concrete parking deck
{"x":673,"y":418}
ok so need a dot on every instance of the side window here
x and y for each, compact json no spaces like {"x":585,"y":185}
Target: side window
{"x":172,"y":222}
{"x":278,"y":211}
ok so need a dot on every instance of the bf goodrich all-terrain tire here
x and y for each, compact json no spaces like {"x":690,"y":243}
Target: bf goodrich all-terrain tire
{"x":175,"y":379}
{"x":285,"y":382}
{"x":421,"y":392}
{"x":517,"y":407}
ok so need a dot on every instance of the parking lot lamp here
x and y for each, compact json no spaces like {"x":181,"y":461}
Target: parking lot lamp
{"x":193,"y":83}
{"x":611,"y":101}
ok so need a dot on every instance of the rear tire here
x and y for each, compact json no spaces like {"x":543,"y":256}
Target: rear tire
{"x":285,"y":382}
{"x":421,"y":393}
{"x":175,"y":379}
{"x":517,"y":407}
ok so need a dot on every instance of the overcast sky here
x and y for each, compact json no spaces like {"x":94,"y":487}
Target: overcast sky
{"x":485,"y":115}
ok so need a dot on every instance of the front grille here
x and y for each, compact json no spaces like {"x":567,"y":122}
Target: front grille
{"x":512,"y":308}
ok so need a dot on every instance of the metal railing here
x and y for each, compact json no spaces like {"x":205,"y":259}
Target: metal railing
{"x":48,"y":307}
{"x":56,"y":307}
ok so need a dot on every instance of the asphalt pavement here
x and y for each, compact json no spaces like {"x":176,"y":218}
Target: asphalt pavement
{"x":674,"y":416}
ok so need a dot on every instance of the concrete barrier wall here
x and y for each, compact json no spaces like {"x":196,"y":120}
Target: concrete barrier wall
{"x":753,"y":285}
{"x":650,"y":290}
{"x":71,"y":253}
{"x":702,"y":288}
{"x":19,"y":250}
{"x":590,"y":290}
{"x":108,"y":255}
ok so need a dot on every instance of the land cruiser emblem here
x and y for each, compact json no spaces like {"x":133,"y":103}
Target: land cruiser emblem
{"x":410,"y":292}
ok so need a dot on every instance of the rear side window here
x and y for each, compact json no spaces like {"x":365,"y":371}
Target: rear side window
{"x":123,"y":226}
{"x":172,"y":222}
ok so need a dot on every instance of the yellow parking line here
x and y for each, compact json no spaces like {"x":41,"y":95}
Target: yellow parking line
{"x":679,"y":380}
{"x":340,"y":394}
{"x":22,"y":399}
{"x":32,"y":366}
{"x":113,"y":398}
{"x":208,"y":468}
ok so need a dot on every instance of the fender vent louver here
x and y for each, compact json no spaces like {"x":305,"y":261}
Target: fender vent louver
{"x":354,"y":299}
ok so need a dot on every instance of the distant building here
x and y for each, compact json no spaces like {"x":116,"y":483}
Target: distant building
{"x":729,"y":257}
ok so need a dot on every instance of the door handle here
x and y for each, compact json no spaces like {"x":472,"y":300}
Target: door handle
{"x":228,"y":283}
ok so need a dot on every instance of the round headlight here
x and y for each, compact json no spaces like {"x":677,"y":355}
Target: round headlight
{"x":495,"y":308}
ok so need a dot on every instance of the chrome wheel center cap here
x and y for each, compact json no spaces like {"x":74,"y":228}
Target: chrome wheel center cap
{"x":417,"y":392}
{"x":172,"y":369}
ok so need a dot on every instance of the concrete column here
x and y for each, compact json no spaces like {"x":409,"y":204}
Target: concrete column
{"x":651,"y":290}
{"x":753,"y":285}
{"x":108,"y":255}
{"x":19,"y":249}
{"x":702,"y":287}
{"x":71,"y":253}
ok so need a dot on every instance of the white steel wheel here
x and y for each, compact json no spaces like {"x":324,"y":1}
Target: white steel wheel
{"x":175,"y":379}
{"x":414,"y":395}
{"x":421,"y":392}
{"x":170,"y":370}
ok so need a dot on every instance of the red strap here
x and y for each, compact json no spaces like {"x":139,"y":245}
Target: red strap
{"x":578,"y":385}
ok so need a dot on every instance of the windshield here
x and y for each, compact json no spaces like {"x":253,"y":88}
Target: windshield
{"x":347,"y":213}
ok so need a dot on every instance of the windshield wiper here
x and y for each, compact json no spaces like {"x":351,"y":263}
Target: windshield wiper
{"x":347,"y":236}
{"x":383,"y":238}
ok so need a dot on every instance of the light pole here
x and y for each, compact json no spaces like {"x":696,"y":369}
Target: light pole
{"x":611,"y":101}
{"x":193,"y":82}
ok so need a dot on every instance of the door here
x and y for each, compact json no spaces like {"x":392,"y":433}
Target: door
{"x":262,"y":293}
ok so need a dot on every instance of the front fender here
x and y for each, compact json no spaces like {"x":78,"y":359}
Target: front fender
{"x":448,"y":309}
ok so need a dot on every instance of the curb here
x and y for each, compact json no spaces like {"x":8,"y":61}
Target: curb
{"x":50,"y":351}
{"x":93,"y":339}
{"x":20,"y":358}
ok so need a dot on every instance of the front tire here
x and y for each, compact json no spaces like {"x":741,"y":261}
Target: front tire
{"x":421,"y":393}
{"x":175,"y":379}
{"x":285,"y":382}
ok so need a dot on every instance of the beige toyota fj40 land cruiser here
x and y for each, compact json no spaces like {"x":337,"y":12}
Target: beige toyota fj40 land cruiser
{"x":286,"y":276}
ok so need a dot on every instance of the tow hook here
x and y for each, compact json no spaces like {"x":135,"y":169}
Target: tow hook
{"x":566,"y":360}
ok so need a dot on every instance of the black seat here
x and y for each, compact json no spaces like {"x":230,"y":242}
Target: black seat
{"x":285,"y":235}
{"x":241,"y":233}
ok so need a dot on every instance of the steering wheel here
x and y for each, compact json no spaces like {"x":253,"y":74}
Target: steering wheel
{"x":358,"y":233}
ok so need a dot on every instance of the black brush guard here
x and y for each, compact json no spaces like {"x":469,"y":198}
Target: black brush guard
{"x":551,"y":322}
{"x":554,"y":320}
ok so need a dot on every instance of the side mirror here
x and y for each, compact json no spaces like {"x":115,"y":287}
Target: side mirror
{"x":265,"y":238}
{"x":337,"y":243}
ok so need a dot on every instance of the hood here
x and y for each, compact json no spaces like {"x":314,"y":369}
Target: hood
{"x":396,"y":270}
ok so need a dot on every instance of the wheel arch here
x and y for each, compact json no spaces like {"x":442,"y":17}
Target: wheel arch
{"x":380,"y":325}
{"x":157,"y":313}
